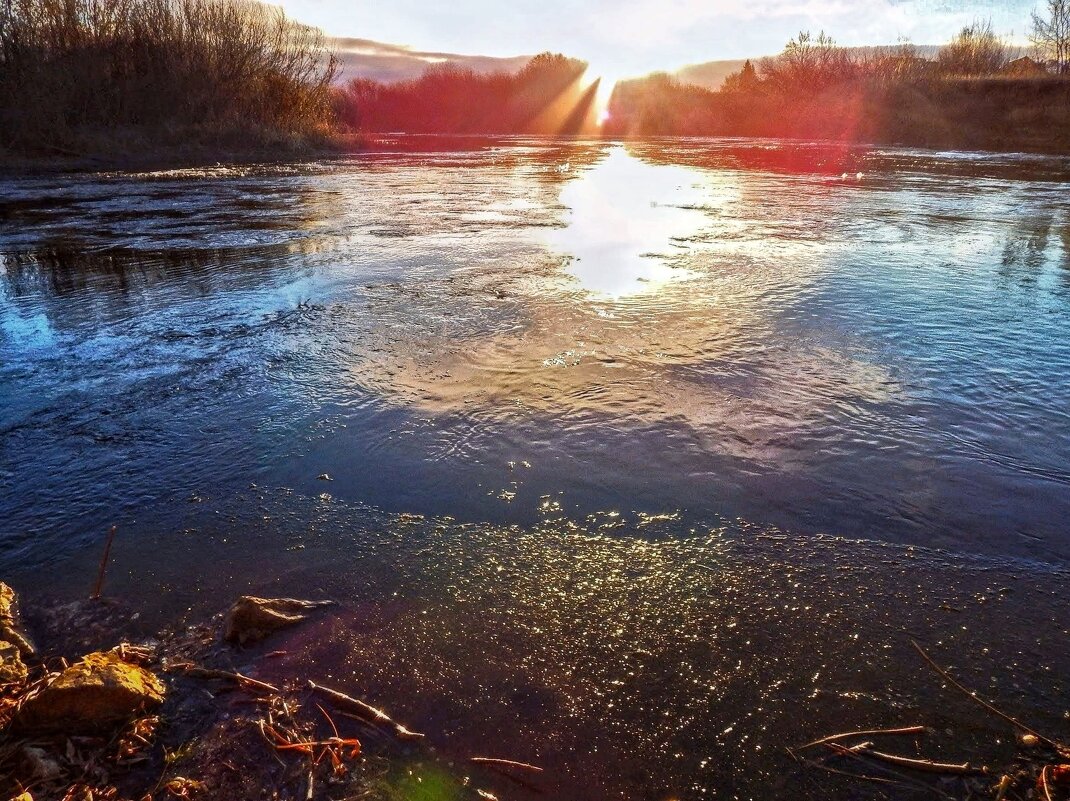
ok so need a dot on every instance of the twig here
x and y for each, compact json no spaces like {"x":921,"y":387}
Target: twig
{"x":857,"y":754}
{"x":263,"y":733}
{"x":333,"y":727}
{"x":505,"y":763}
{"x":1044,"y":782}
{"x":865,"y":733}
{"x":103,"y":564}
{"x":972,"y":695}
{"x":926,"y":765}
{"x":212,"y":673}
{"x":1004,"y":785}
{"x":878,"y":779}
{"x":366,"y":711}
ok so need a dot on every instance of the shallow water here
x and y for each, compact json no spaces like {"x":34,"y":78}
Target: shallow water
{"x":684,"y":435}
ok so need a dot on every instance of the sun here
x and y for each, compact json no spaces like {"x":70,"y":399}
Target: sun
{"x":607,"y":79}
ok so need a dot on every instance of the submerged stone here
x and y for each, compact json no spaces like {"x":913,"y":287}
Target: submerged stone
{"x":252,"y":619}
{"x":99,"y":691}
{"x":9,"y":622}
{"x":12,"y":668}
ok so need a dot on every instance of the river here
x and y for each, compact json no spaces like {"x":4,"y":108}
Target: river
{"x":637,"y":460}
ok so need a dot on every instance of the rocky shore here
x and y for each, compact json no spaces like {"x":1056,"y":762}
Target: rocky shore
{"x":180,"y":715}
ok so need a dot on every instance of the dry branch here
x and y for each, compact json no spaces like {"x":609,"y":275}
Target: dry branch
{"x":212,"y":673}
{"x":366,"y":711}
{"x":864,"y":733}
{"x":925,"y":765}
{"x":103,"y":564}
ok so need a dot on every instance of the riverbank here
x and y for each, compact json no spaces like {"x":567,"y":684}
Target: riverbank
{"x":240,"y":716}
{"x":723,"y":647}
{"x":102,"y":711}
{"x":137,"y":151}
{"x":997,"y":115}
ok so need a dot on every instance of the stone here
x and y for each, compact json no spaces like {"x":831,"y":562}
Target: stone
{"x":9,"y":621}
{"x":12,"y":668}
{"x":7,"y":605}
{"x":252,"y":619}
{"x":95,"y":693}
{"x":39,"y":764}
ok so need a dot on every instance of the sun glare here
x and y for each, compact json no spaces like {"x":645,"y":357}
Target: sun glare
{"x":607,"y":79}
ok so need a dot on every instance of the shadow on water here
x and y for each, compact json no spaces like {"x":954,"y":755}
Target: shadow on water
{"x":590,"y":412}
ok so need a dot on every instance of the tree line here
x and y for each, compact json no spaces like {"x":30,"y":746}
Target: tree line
{"x":546,"y":96}
{"x":92,"y":75}
{"x":79,"y":74}
{"x":976,"y":91}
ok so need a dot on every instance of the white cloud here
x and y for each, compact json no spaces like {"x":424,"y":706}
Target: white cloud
{"x":641,"y":35}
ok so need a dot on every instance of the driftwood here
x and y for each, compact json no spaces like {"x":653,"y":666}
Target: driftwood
{"x":882,"y":760}
{"x":925,"y":765}
{"x":857,"y":753}
{"x":211,"y":673}
{"x":1004,"y":785}
{"x":365,"y":711}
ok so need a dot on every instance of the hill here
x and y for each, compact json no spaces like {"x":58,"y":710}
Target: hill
{"x":389,"y":63}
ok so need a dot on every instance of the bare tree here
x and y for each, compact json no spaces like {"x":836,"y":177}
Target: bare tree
{"x":974,"y":52}
{"x":222,"y":67}
{"x":1051,"y":35}
{"x":808,"y":64}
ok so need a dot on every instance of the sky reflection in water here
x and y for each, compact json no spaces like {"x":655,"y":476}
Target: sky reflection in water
{"x":716,"y":329}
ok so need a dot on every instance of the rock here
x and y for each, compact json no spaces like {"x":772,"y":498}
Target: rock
{"x":9,"y":622}
{"x":252,"y":619}
{"x":12,"y":668}
{"x":99,"y":691}
{"x":39,"y":764}
{"x":7,"y":605}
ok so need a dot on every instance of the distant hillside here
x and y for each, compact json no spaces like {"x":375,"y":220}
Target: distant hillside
{"x":365,"y":58}
{"x":709,"y":75}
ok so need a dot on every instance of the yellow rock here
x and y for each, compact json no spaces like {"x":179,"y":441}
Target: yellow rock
{"x":9,"y":629}
{"x":12,"y":668}
{"x":97,"y":692}
{"x":7,"y":604}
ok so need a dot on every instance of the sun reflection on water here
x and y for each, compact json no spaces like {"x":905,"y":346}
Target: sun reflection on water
{"x":649,"y":302}
{"x":628,"y":223}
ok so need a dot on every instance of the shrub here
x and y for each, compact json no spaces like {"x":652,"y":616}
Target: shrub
{"x":215,"y":69}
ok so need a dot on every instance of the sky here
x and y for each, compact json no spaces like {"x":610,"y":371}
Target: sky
{"x":623,"y":38}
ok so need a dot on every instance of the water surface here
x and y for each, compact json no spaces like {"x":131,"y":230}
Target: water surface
{"x":612,"y":430}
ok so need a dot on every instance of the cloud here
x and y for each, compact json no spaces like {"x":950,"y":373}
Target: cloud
{"x":637,"y":36}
